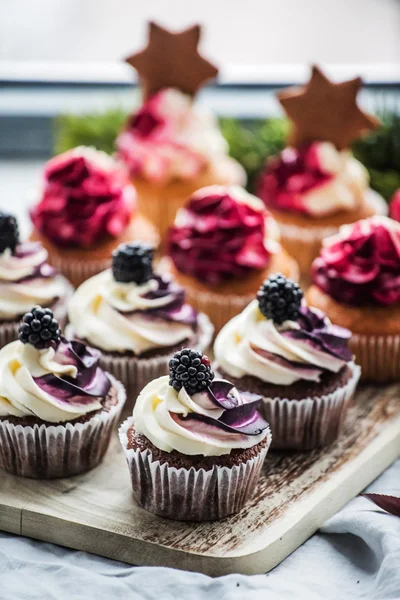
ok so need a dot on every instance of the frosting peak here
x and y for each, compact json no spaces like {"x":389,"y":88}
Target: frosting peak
{"x":26,"y":279}
{"x":211,"y":422}
{"x":169,"y":138}
{"x":222,"y":233}
{"x":297,"y":350}
{"x":315,"y":179}
{"x":361,"y":264}
{"x":86,"y":197}
{"x":54,"y":385}
{"x":120,"y":317}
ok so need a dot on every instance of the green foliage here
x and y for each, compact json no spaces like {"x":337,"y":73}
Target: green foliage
{"x":251,"y":143}
{"x":98,"y":130}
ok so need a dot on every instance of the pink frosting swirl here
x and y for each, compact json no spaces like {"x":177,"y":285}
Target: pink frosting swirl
{"x":394,"y":207}
{"x":168,"y":138}
{"x":86,"y":197}
{"x":290,"y":175}
{"x":223,"y":233}
{"x":361,"y":264}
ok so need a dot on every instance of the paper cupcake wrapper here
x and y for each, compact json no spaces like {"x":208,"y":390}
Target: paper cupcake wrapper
{"x":305,"y":243}
{"x":77,"y":271}
{"x":135,"y":372}
{"x":378,"y":356}
{"x":52,"y":451}
{"x":310,"y":422}
{"x":190,"y":494}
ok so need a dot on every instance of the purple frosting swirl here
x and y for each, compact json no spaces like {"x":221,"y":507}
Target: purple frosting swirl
{"x":240,"y":414}
{"x":176,"y":310}
{"x":42,"y":270}
{"x":90,"y":382}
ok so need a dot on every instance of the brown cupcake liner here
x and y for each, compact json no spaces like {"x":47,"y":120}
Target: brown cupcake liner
{"x":53,"y":451}
{"x":135,"y":372}
{"x":190,"y":494}
{"x":309,"y":422}
{"x":377,"y":355}
{"x":77,"y":271}
{"x":9,"y":329}
{"x":305,"y":243}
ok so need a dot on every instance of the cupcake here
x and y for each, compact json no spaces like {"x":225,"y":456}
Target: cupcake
{"x":221,"y":247}
{"x":357,"y":284}
{"x":316,"y":185}
{"x":26,"y":279}
{"x":295,"y":359}
{"x":171,"y":147}
{"x":136,"y":317}
{"x":195,"y":445}
{"x":57,"y":406}
{"x":86,"y":208}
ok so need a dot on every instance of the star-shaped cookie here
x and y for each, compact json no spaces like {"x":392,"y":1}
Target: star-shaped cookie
{"x":172,"y":60}
{"x":323,"y":110}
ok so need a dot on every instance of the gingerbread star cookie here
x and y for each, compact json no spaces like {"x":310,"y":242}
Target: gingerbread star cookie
{"x":323,"y":110}
{"x":172,"y":60}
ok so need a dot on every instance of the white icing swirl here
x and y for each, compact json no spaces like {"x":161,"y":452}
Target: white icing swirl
{"x":345,"y":190}
{"x":96,"y":313}
{"x":234,"y":350}
{"x":20,"y":396}
{"x":20,"y":289}
{"x":153,"y":417}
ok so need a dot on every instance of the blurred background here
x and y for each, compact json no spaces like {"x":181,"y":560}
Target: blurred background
{"x":63,"y":80}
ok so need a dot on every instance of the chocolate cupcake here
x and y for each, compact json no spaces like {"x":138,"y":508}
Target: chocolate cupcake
{"x":221,"y":247}
{"x":57,"y":406}
{"x":194,"y":446}
{"x":26,"y":279}
{"x":357,"y":284}
{"x":136,"y":317}
{"x":295,"y":359}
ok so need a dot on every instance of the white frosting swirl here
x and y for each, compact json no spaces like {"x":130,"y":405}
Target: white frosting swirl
{"x":234,"y":350}
{"x":96,"y":313}
{"x":154,"y":417}
{"x":20,"y":396}
{"x":345,"y":190}
{"x":20,"y":289}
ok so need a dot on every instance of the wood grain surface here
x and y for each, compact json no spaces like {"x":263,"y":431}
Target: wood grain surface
{"x":296,"y":494}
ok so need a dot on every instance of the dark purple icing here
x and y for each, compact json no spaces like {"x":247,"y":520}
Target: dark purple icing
{"x":43,"y":270}
{"x":90,"y":382}
{"x":239,"y":416}
{"x":303,"y":370}
{"x":177,"y":310}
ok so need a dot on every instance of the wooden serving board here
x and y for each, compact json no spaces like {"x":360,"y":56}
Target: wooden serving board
{"x":95,"y":512}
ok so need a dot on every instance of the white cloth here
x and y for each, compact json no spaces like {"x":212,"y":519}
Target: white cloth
{"x":356,"y":554}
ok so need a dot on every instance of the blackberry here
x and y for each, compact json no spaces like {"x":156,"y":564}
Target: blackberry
{"x":190,"y":369}
{"x":39,"y":328}
{"x":279,"y":299}
{"x":9,"y":232}
{"x":133,"y":263}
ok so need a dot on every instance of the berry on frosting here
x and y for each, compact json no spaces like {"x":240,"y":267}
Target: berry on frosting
{"x":190,"y":369}
{"x":133,"y":263}
{"x":9,"y":232}
{"x":39,"y":328}
{"x":280,"y":299}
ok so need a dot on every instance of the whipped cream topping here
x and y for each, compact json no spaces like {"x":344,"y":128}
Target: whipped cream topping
{"x":26,"y":279}
{"x":119,"y":317}
{"x":250,"y":344}
{"x":170,"y":138}
{"x":210,"y":423}
{"x":317,"y":179}
{"x":55,"y":385}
